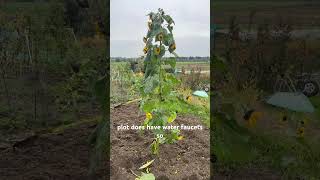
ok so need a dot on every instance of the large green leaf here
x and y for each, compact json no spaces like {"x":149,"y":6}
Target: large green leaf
{"x":99,"y":139}
{"x":149,"y":105}
{"x":146,"y":176}
{"x":151,"y":83}
{"x":219,"y":65}
{"x":168,"y":39}
{"x":232,"y":142}
{"x":168,"y":19}
{"x":151,"y":67}
{"x":163,"y":51}
{"x":172,"y":79}
{"x":101,"y":91}
{"x":171,"y":61}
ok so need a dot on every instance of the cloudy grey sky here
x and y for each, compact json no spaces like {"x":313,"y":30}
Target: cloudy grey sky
{"x":129,"y":25}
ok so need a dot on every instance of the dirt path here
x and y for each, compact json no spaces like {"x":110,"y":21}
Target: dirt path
{"x":185,"y":160}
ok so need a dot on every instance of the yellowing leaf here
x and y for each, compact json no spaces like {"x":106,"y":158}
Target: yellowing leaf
{"x":172,"y":117}
{"x":146,"y":164}
{"x":180,"y":138}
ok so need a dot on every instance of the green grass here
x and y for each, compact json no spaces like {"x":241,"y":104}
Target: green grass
{"x":64,"y":127}
{"x":179,"y":65}
{"x":316,"y":103}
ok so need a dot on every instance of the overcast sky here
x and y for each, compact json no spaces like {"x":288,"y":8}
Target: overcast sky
{"x":129,"y":25}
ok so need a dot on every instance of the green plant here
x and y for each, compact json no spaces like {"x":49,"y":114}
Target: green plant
{"x":98,"y":139}
{"x":160,"y":101}
{"x":145,"y":175}
{"x":124,"y":83}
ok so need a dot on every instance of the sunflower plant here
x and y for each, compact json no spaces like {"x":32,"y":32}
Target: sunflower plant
{"x":160,"y":100}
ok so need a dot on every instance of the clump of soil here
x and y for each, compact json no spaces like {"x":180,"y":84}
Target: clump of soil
{"x":188,"y":159}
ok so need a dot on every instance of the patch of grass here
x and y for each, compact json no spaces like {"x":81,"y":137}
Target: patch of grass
{"x":64,"y":127}
{"x":288,"y":156}
{"x":316,"y":103}
{"x":291,"y":156}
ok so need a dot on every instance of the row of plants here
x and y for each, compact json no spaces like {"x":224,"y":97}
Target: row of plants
{"x":47,"y":64}
{"x":264,"y":50}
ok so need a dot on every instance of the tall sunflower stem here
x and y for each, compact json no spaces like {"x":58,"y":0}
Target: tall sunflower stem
{"x":160,"y":71}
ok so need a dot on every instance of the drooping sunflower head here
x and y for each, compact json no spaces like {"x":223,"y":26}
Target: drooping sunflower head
{"x":160,"y":37}
{"x":253,"y":118}
{"x":303,"y":122}
{"x":139,"y":74}
{"x":248,"y":114}
{"x":145,"y":39}
{"x":157,"y":50}
{"x":172,"y":47}
{"x":149,"y":24}
{"x":283,"y":118}
{"x":189,"y":98}
{"x":256,"y":115}
{"x":300,"y":131}
{"x":145,"y":50}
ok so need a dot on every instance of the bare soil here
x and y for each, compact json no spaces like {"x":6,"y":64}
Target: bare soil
{"x":63,"y":156}
{"x":188,"y":159}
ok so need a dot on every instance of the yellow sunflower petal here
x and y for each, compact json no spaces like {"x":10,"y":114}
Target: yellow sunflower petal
{"x":148,"y":116}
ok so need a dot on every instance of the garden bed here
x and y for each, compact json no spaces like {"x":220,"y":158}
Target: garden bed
{"x":63,"y":155}
{"x":186,"y":159}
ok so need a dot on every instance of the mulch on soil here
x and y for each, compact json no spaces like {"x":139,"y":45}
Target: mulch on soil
{"x":188,"y":159}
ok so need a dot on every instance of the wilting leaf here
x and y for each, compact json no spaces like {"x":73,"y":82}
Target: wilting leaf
{"x":168,"y":19}
{"x":172,"y":117}
{"x":146,"y":164}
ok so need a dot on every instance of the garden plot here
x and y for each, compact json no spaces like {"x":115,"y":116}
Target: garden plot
{"x":187,"y":159}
